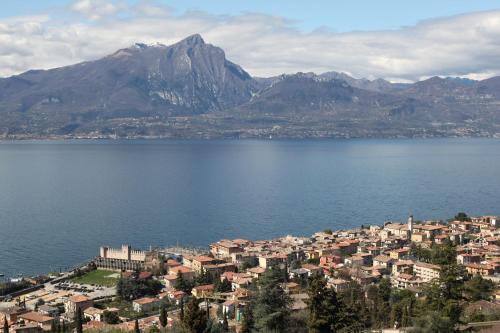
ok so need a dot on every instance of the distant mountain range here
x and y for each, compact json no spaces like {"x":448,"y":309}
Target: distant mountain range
{"x":190,"y":90}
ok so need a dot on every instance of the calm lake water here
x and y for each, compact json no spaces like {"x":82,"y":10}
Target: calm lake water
{"x":59,"y":201}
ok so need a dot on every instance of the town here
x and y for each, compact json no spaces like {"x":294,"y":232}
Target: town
{"x":396,"y":277}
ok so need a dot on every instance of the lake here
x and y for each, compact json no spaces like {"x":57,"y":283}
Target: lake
{"x":60,"y":201}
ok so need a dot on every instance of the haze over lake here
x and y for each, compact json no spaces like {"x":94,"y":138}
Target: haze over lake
{"x":59,"y":201}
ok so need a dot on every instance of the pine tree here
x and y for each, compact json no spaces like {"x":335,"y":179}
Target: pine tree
{"x":136,"y":327}
{"x":79,"y":320}
{"x":63,"y":327}
{"x":327,"y":313}
{"x":323,"y":307}
{"x":271,"y":305}
{"x":5,"y":325}
{"x":195,"y":319}
{"x":53,"y":327}
{"x":163,"y":316}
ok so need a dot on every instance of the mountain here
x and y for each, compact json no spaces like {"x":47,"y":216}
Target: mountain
{"x":189,"y":77}
{"x":189,"y":89}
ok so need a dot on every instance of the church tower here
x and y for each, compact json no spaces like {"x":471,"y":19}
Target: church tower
{"x":410,"y":224}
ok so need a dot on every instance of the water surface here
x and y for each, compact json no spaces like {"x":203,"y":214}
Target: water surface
{"x":59,"y":201}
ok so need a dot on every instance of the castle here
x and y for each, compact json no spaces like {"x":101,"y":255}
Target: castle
{"x":127,"y":259}
{"x":123,"y":259}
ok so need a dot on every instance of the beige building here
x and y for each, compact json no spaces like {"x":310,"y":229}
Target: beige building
{"x":426,"y":272}
{"x":273,"y":260}
{"x":75,"y":302}
{"x":146,"y":304}
{"x":123,"y":259}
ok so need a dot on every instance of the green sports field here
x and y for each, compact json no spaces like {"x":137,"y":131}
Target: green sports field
{"x":98,"y":277}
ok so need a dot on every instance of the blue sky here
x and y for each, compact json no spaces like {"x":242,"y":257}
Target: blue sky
{"x":336,"y":15}
{"x":399,"y":40}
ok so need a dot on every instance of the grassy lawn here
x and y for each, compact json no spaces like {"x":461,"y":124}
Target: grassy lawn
{"x":101,"y":277}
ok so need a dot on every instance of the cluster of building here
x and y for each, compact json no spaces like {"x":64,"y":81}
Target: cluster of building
{"x":365,"y":255}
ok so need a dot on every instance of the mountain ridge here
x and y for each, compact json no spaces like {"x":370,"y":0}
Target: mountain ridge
{"x":190,"y":89}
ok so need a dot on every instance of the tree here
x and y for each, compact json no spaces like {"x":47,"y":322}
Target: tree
{"x":323,"y":307}
{"x":194,"y":319}
{"x":461,"y":216}
{"x":477,"y":288}
{"x":53,"y":326}
{"x":133,"y":288}
{"x":79,"y":320}
{"x":249,"y":263}
{"x":153,"y":329}
{"x":181,"y":312}
{"x":432,"y":323}
{"x":224,"y":286}
{"x":271,"y":305}
{"x":111,"y":317}
{"x":136,"y":327}
{"x":225,"y":324}
{"x":327,"y":313}
{"x":405,"y":318}
{"x":182,"y":284}
{"x":163,"y":316}
{"x":204,"y":278}
{"x":5,"y":325}
{"x":443,"y":254}
{"x":247,"y":319}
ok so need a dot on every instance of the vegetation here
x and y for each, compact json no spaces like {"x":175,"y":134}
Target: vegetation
{"x":326,"y":312}
{"x":98,"y":277}
{"x":163,"y":316}
{"x":194,"y":320}
{"x":182,"y":284}
{"x":129,"y":288}
{"x":5,"y":325}
{"x":223,"y":286}
{"x":461,"y":216}
{"x":79,"y":320}
{"x":250,"y":263}
{"x":477,"y":289}
{"x":136,"y":326}
{"x":10,"y":287}
{"x":111,"y":317}
{"x":270,"y":305}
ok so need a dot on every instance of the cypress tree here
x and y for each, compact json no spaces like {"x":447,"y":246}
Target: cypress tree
{"x":225,"y":323}
{"x":404,"y":317}
{"x":5,"y":325}
{"x":53,"y":327}
{"x":163,"y":316}
{"x":136,"y":327}
{"x":63,"y":327}
{"x":79,"y":321}
{"x":181,"y":314}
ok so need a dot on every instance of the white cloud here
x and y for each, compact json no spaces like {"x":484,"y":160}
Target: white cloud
{"x":466,"y":45}
{"x":96,"y":9}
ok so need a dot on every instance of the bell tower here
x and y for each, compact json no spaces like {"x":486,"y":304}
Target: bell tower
{"x":410,"y":224}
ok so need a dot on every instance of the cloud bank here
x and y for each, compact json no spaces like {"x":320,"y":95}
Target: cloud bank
{"x":467,"y":45}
